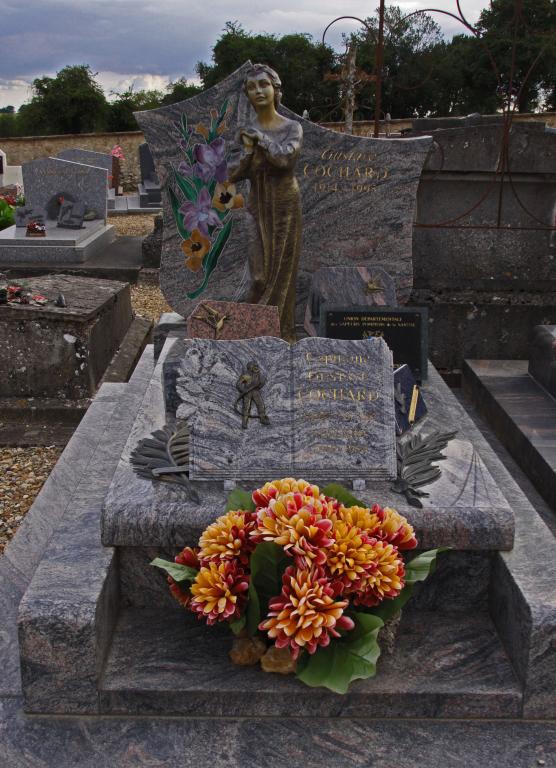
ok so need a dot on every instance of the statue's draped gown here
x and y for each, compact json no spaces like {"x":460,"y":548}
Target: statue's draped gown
{"x":274,"y":219}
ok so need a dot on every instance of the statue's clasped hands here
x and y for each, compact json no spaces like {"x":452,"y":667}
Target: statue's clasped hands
{"x":249,"y":137}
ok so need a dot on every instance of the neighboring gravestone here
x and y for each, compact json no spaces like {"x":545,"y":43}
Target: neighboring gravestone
{"x":261,"y":408}
{"x":88,"y":157}
{"x":99,"y":160}
{"x":404,"y":329}
{"x":358,"y":197}
{"x":149,"y":189}
{"x":10,"y":175}
{"x":352,"y":286}
{"x":228,"y":320}
{"x":49,"y":176}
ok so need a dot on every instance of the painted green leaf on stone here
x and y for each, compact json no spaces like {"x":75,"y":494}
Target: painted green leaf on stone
{"x":353,"y":657}
{"x":177,"y":571}
{"x":186,"y":186}
{"x":178,"y":218}
{"x":211,"y":259}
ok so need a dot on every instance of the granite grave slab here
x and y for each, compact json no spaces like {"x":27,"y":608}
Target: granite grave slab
{"x":465,"y":509}
{"x":315,"y":393}
{"x":358,"y":197}
{"x":542,"y":357}
{"x":228,"y":320}
{"x":352,"y":286}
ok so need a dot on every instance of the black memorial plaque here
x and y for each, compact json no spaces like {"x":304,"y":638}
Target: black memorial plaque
{"x":404,"y":329}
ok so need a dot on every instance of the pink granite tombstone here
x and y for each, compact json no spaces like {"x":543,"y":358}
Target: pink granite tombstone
{"x":230,"y":320}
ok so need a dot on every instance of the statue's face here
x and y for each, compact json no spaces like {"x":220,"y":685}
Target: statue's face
{"x":260,"y":90}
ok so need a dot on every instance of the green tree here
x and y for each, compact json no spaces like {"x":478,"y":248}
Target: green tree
{"x":120,"y":111}
{"x":413,"y":49}
{"x":301,"y":63}
{"x":180,"y":90}
{"x":530,"y":26}
{"x":70,"y":102}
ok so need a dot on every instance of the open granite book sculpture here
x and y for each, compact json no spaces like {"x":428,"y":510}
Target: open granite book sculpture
{"x":261,"y":406}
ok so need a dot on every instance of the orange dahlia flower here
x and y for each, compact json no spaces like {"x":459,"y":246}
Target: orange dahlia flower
{"x":384,"y":578}
{"x":350,"y":555}
{"x":188,"y":556}
{"x":296,"y":523}
{"x":226,"y":197}
{"x":276,"y":488}
{"x":228,"y":538}
{"x":183,"y":596}
{"x":393,"y":528}
{"x":195,"y":248}
{"x":219,"y":592}
{"x":305,"y":615}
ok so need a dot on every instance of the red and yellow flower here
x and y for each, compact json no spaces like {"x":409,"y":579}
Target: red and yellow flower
{"x":228,"y":538}
{"x":219,"y":592}
{"x":195,"y":248}
{"x":305,"y":615}
{"x":383,"y":579}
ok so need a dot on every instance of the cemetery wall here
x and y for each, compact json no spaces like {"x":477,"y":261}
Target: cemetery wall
{"x":21,"y":149}
{"x":366,"y":127}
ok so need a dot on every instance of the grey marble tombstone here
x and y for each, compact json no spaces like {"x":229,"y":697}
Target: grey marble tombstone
{"x":352,"y":286}
{"x":358,"y":197}
{"x":329,"y":405}
{"x":48,"y":176}
{"x":87,"y":157}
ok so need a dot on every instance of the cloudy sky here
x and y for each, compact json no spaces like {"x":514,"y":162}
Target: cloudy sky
{"x":147,"y":43}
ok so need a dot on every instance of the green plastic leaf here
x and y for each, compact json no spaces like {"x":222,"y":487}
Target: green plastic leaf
{"x":177,"y":571}
{"x":211,"y":259}
{"x":343,"y":495}
{"x":353,"y":657}
{"x":421,"y":566}
{"x":268,"y":562}
{"x":238,"y":625}
{"x":389,"y":608}
{"x":240,"y":499}
{"x":253,"y":611}
{"x":186,"y":186}
{"x":178,"y":218}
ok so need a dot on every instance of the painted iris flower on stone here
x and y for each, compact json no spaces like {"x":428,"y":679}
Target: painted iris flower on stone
{"x":200,"y":195}
{"x":199,"y":214}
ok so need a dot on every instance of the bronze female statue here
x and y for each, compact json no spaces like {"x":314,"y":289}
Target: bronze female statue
{"x":269,"y":150}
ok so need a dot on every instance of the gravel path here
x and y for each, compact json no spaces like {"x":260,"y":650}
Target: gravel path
{"x":23,"y":471}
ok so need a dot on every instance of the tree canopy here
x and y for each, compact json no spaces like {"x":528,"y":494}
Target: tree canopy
{"x":423,"y":73}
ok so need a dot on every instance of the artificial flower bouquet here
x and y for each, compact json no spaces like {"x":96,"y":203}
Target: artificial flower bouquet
{"x":315,"y":574}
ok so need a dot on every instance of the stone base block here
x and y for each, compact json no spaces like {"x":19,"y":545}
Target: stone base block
{"x":63,"y":352}
{"x":60,"y":246}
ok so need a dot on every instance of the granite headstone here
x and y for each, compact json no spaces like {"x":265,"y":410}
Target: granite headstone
{"x":149,"y":187}
{"x":353,"y":286}
{"x":228,"y":320}
{"x":358,"y":197}
{"x":326,"y":408}
{"x":48,"y":176}
{"x":88,"y":157}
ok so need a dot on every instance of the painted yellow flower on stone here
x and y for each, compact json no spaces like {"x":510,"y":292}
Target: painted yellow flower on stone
{"x":226,"y":197}
{"x":195,"y":248}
